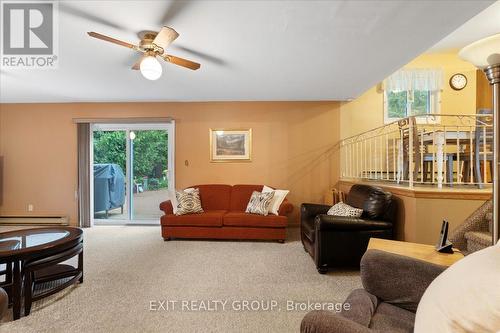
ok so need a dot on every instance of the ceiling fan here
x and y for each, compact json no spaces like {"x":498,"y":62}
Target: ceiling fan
{"x":152,"y":45}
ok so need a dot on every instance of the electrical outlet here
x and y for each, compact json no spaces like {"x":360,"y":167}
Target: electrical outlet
{"x":30,"y":207}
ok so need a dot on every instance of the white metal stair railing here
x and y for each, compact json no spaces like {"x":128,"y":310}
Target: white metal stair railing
{"x":432,"y":149}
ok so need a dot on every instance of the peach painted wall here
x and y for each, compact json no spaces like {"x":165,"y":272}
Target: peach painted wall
{"x":293,"y":148}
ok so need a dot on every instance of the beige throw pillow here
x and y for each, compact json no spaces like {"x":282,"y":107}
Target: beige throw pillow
{"x":277,"y":200}
{"x":173,"y":198}
{"x":188,"y":202}
{"x":259,"y":203}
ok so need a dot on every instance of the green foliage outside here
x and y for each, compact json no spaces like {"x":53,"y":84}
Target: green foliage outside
{"x":150,"y":154}
{"x":397,"y":104}
{"x":110,"y":147}
{"x":398,"y":101}
{"x":421,"y":102}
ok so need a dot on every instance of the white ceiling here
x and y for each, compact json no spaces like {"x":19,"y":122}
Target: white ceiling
{"x":484,"y":24}
{"x":249,"y":50}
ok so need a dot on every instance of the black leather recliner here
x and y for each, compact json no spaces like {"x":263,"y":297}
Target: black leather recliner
{"x":334,"y":241}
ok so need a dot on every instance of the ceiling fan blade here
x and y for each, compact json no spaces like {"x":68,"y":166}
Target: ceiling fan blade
{"x":112,"y":40}
{"x":201,"y":55}
{"x":137,"y":65}
{"x":79,"y":13}
{"x":181,"y":62}
{"x":174,"y":9}
{"x":166,"y":36}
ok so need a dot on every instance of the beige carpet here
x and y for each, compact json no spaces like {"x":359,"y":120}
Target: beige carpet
{"x":127,"y":267}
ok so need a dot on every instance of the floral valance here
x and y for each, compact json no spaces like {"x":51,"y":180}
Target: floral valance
{"x":415,"y":79}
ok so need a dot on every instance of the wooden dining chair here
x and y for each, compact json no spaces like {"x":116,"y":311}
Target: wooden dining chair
{"x":482,"y":149}
{"x":427,"y":167}
{"x":421,"y":157}
{"x":404,"y":128}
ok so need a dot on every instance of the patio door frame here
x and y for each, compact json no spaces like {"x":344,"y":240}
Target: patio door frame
{"x":168,"y":126}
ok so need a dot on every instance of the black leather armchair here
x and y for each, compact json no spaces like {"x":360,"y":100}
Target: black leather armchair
{"x":342,"y":241}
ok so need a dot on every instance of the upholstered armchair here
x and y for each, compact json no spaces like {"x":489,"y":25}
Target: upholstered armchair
{"x":341,"y":241}
{"x":393,"y":286}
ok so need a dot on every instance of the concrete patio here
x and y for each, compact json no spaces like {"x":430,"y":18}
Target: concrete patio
{"x":146,"y":207}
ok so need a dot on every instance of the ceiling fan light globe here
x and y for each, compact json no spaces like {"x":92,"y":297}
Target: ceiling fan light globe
{"x":150,"y":68}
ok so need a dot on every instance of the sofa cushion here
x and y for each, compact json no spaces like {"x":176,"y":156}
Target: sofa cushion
{"x":240,"y":219}
{"x":208,"y":218}
{"x":240,"y":196}
{"x":215,"y":196}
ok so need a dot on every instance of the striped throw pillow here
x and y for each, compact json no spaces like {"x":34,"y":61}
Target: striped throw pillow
{"x":259,"y":203}
{"x":188,"y":202}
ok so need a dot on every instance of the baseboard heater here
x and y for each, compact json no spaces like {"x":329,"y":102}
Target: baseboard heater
{"x":34,"y":220}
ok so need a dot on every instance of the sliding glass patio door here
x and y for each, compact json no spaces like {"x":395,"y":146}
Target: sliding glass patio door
{"x":132,"y":167}
{"x":109,"y":169}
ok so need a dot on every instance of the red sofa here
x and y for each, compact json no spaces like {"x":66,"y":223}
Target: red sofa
{"x":224,"y":216}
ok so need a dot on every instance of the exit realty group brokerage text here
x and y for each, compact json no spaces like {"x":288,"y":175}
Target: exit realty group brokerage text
{"x":244,"y":305}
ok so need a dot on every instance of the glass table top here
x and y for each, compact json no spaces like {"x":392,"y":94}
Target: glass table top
{"x":28,"y":238}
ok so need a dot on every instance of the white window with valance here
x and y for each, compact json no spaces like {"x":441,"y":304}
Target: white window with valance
{"x":411,"y":92}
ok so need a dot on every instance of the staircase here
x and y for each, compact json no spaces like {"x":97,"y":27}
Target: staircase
{"x":474,"y":233}
{"x":478,"y":240}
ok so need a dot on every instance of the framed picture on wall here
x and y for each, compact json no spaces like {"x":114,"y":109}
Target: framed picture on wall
{"x":230,"y":145}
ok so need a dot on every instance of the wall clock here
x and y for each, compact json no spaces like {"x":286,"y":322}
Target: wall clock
{"x":458,"y":81}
